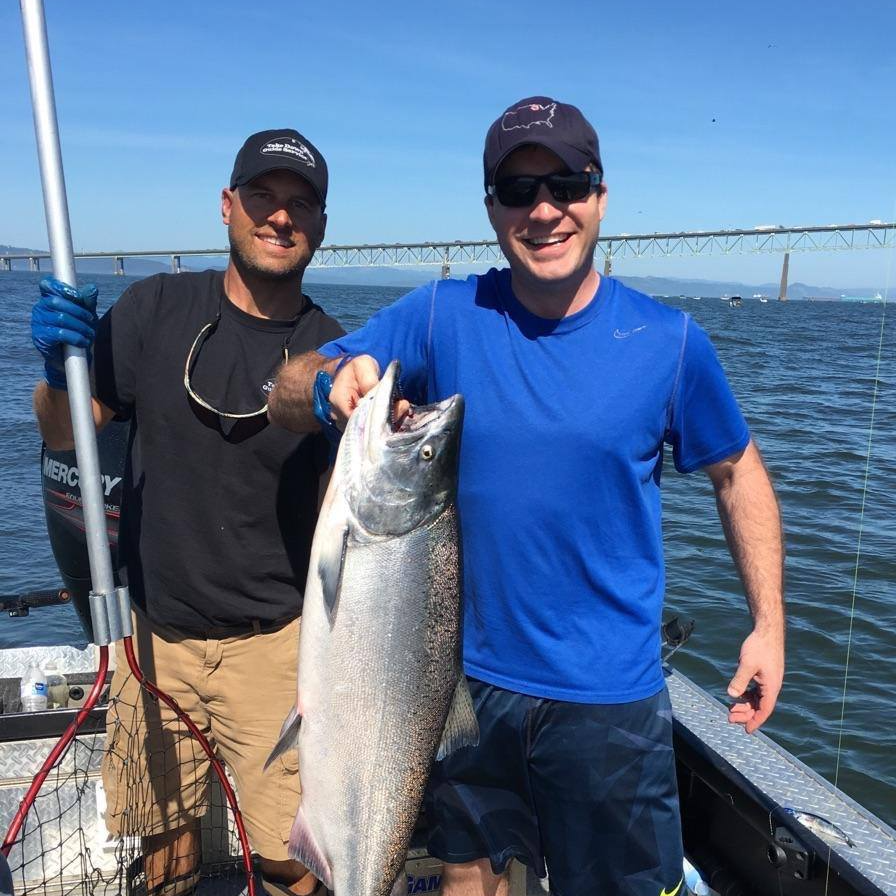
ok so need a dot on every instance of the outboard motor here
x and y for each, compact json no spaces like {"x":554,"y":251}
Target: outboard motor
{"x":65,"y":516}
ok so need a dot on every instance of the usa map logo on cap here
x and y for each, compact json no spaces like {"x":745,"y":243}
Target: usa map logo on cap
{"x":541,"y":121}
{"x":528,"y":116}
{"x":292,"y":149}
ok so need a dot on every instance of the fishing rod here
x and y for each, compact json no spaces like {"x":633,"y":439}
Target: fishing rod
{"x":110,"y":608}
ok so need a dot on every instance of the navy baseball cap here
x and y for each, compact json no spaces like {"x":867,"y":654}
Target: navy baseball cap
{"x":539,"y":120}
{"x":280,"y":149}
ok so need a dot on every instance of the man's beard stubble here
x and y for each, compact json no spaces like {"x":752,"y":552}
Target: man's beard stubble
{"x":246,"y":265}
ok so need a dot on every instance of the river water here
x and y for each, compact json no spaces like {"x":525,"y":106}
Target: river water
{"x":810,"y":378}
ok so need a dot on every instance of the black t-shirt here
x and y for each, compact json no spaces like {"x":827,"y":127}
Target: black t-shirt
{"x":217,"y":516}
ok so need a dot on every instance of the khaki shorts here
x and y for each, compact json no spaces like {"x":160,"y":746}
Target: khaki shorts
{"x":237,"y":690}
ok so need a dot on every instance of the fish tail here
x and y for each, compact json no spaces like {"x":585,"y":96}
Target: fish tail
{"x":303,"y":848}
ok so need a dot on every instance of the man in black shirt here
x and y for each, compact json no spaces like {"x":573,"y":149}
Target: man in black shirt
{"x":219,"y":507}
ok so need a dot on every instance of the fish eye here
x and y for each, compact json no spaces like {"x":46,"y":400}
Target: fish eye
{"x":427,"y":452}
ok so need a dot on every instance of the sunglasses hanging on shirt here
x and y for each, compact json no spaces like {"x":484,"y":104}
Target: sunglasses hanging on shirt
{"x":192,"y":357}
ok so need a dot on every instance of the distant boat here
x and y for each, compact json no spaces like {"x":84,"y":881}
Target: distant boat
{"x":735,"y":302}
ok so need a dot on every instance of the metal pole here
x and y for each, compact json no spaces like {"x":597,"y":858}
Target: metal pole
{"x":58,"y":230}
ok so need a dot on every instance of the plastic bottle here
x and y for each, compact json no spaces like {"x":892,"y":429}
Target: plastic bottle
{"x":694,"y":883}
{"x":33,"y":690}
{"x":57,"y":687}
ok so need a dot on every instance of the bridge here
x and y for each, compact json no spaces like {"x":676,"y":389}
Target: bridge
{"x":610,"y":249}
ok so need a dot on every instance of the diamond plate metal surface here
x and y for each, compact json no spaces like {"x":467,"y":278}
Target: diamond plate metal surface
{"x":14,"y":662}
{"x":788,"y":782}
{"x":21,"y":760}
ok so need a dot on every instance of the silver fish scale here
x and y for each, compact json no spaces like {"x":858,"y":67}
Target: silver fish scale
{"x":396,"y":633}
{"x":788,"y":781}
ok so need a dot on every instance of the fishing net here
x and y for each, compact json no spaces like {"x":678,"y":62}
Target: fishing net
{"x":132,"y":806}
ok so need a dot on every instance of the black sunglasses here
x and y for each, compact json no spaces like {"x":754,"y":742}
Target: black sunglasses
{"x":520,"y":190}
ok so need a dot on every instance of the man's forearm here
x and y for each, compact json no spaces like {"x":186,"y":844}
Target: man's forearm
{"x":291,"y":402}
{"x":751,"y":520}
{"x":54,"y":419}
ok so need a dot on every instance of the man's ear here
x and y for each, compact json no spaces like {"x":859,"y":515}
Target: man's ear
{"x":490,"y":208}
{"x":226,"y":205}
{"x":323,"y":230}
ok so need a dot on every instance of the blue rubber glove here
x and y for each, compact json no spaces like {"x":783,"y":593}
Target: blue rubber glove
{"x":63,"y":315}
{"x":323,"y":383}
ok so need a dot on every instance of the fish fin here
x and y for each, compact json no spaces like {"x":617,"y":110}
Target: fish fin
{"x":303,"y":848}
{"x":461,"y":727}
{"x":289,"y":734}
{"x":329,"y":570}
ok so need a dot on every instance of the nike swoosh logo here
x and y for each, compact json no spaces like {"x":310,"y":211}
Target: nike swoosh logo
{"x":624,"y":334}
{"x":665,"y":892}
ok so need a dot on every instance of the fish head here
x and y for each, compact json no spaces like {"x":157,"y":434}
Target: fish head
{"x":402,"y":474}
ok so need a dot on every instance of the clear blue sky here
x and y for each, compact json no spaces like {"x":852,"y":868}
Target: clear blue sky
{"x":709,"y":114}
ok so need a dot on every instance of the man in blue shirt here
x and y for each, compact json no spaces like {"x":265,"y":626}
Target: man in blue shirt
{"x":573,"y":385}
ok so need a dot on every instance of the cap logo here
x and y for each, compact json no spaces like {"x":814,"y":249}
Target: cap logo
{"x":528,"y":116}
{"x":293,"y":149}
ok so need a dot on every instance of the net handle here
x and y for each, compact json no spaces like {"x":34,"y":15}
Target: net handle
{"x":46,"y":130}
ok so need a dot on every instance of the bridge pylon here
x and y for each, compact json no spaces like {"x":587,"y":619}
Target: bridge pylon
{"x":782,"y":292}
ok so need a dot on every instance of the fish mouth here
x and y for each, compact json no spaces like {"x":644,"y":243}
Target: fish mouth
{"x":405,"y":473}
{"x":419,"y":421}
{"x":422,"y":420}
{"x":385,"y":428}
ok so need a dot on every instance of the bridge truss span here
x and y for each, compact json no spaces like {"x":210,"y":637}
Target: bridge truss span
{"x":781,"y":240}
{"x":399,"y":254}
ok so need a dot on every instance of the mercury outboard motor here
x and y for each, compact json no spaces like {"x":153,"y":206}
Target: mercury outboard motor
{"x":65,"y":516}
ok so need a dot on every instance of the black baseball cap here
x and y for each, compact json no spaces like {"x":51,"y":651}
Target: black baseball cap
{"x":539,"y":120}
{"x":285,"y":149}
